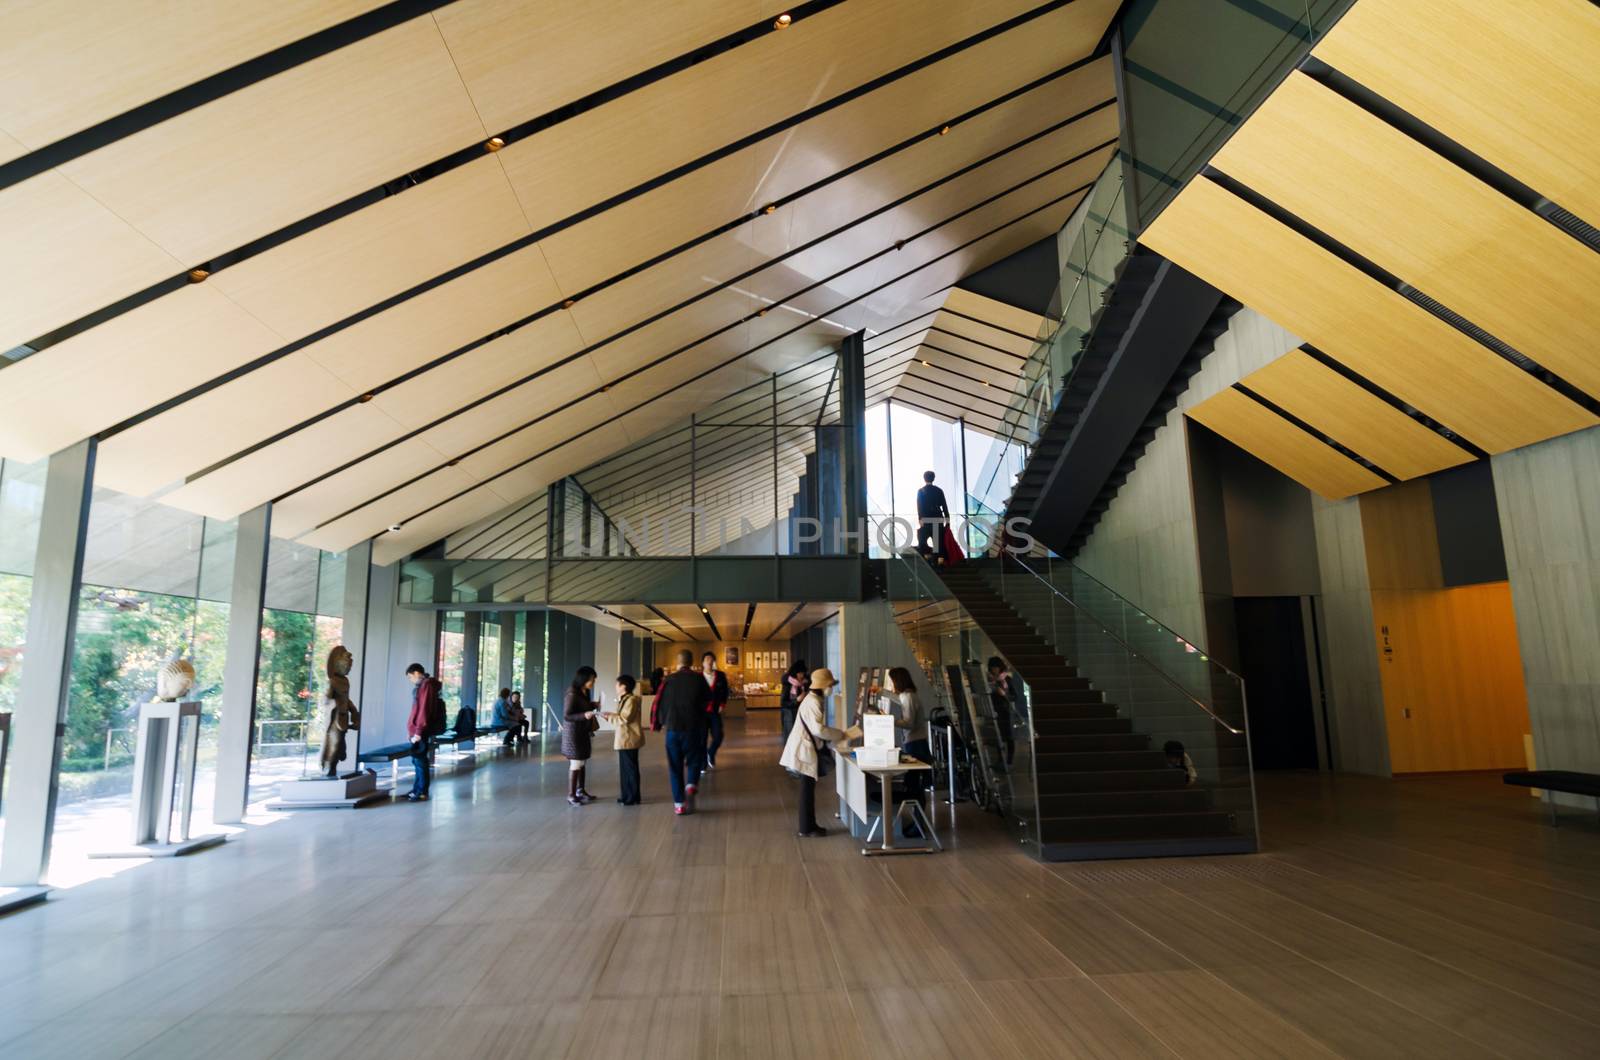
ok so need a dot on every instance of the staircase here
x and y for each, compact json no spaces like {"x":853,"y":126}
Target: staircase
{"x":1104,"y":787}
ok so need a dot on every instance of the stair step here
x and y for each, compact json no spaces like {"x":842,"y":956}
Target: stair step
{"x":1112,"y":780}
{"x":1136,"y":826}
{"x":1078,"y":761}
{"x":1055,"y":726}
{"x":1087,"y":742}
{"x":1112,"y":803}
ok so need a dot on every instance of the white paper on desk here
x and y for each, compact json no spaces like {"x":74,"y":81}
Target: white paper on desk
{"x":878,"y":730}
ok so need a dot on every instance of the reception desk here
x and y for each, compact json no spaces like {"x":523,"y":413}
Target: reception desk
{"x":855,"y":784}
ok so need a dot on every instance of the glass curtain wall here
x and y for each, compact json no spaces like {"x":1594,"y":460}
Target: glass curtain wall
{"x":21,"y":500}
{"x":1193,"y":70}
{"x":451,"y":665}
{"x":301,"y":621}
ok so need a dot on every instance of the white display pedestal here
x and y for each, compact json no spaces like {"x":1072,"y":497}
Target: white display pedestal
{"x":163,"y":783}
{"x":329,"y":793}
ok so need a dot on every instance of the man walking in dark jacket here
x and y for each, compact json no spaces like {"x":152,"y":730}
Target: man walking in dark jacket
{"x":681,"y":710}
{"x":933,"y":515}
{"x":425,"y":722}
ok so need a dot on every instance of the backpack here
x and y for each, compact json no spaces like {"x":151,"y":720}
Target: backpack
{"x":435,"y":708}
{"x":466,"y":723}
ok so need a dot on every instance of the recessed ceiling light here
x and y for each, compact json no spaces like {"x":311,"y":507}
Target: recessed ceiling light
{"x":782,"y":21}
{"x":769,"y":207}
{"x":761,"y":312}
{"x":395,"y":529}
{"x":454,"y":462}
{"x":944,"y":130}
{"x":925,"y":364}
{"x":197,"y":275}
{"x":494,"y":143}
{"x":364,"y":398}
{"x":899,"y":244}
{"x":569,"y":303}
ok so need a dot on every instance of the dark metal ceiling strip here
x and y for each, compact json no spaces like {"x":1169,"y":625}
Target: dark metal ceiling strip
{"x":587,"y":350}
{"x":749,"y":617}
{"x":638,"y":190}
{"x":208,"y":89}
{"x":965,"y":396}
{"x":1452,"y":151}
{"x":786,"y":620}
{"x":1327,"y":440}
{"x":992,"y":325}
{"x":1352,"y":376}
{"x":1432,"y":306}
{"x":532,"y":503}
{"x":898,"y":400}
{"x":421,"y":174}
{"x":656,"y":363}
{"x":657,"y":612}
{"x":705,"y":613}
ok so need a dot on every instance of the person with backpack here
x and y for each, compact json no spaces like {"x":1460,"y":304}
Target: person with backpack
{"x":424,"y":723}
{"x":681,"y":710}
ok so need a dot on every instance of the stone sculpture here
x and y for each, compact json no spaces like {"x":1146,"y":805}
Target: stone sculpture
{"x":175,"y":678}
{"x":343,"y":715}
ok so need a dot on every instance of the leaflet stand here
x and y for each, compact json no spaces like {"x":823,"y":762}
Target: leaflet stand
{"x":165,"y":758}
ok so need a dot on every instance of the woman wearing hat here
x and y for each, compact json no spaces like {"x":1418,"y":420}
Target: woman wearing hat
{"x":808,"y":741}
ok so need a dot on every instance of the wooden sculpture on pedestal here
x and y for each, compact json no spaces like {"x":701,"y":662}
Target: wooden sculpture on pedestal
{"x":343,"y":715}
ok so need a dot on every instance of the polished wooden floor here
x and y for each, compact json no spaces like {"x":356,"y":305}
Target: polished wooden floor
{"x":1415,"y":918}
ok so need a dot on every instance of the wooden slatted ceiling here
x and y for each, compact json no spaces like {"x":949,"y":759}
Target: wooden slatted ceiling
{"x":434,"y":522}
{"x":1351,"y":317}
{"x":1517,"y":83}
{"x":1404,"y":207}
{"x":1257,"y":429}
{"x":380,"y":246}
{"x":1353,"y":417}
{"x":70,"y":64}
{"x":971,"y":341}
{"x":158,"y":449}
{"x":245,"y":311}
{"x":643,"y":109}
{"x":667,"y":375}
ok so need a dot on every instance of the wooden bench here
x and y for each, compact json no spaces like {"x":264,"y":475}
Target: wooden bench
{"x":1563,"y":780}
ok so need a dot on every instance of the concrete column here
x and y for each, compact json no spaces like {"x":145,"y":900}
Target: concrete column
{"x":506,"y":678}
{"x":242,"y":665}
{"x":357,"y":593}
{"x":853,"y":417}
{"x":472,"y":632}
{"x":37,"y":723}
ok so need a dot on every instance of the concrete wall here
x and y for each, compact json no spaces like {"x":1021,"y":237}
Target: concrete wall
{"x":396,"y":638}
{"x":1351,"y":681}
{"x":1144,"y":547}
{"x":1549,"y":500}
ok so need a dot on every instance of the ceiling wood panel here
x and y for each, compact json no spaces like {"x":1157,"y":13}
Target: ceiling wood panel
{"x":1368,"y":327}
{"x":59,"y":396}
{"x":66,"y":255}
{"x":1409,"y":210}
{"x":69,"y":64}
{"x":608,"y":150}
{"x":287,"y":146}
{"x":363,"y":356}
{"x":520,"y":60}
{"x":1515,"y":83}
{"x":1356,"y":419}
{"x":377,"y":252}
{"x":1258,"y":430}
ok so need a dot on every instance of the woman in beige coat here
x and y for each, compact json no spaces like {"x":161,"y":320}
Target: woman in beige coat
{"x":629,"y":738}
{"x":808,"y":741}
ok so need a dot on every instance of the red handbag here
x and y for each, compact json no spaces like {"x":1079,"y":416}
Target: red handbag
{"x":952,"y":551}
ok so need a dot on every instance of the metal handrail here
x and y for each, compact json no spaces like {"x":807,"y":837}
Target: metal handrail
{"x":1175,"y":635}
{"x":1140,"y":656}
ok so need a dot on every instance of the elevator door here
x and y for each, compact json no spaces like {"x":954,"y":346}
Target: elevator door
{"x":1272,"y":654}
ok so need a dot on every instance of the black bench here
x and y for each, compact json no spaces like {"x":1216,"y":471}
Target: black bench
{"x":1563,"y":780}
{"x":391,"y":754}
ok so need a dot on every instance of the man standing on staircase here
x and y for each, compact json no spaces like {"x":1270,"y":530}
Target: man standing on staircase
{"x":933,"y":515}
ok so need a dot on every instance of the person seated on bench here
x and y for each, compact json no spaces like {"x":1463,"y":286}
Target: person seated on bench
{"x":503,"y":716}
{"x":522,"y":727}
